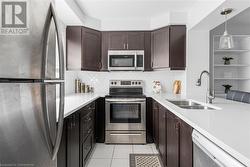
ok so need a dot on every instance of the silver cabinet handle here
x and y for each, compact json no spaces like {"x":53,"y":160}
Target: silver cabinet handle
{"x":127,"y":45}
{"x":124,"y":46}
{"x":53,"y":148}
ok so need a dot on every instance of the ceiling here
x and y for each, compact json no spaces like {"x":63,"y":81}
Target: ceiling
{"x":114,"y":9}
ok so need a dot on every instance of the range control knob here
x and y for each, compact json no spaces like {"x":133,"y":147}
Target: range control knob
{"x":112,"y":83}
{"x":115,"y":83}
{"x":139,"y":83}
{"x":133,"y":83}
{"x":136,"y":83}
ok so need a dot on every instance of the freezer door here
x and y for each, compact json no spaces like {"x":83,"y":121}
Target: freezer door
{"x":23,"y":140}
{"x":24,"y":56}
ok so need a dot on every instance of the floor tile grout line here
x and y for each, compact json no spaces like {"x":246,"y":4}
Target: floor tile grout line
{"x":112,"y":156}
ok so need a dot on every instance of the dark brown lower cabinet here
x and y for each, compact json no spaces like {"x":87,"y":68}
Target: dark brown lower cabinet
{"x":156,"y":123}
{"x":172,"y":137}
{"x":162,"y":133}
{"x":100,"y":120}
{"x":149,"y":120}
{"x":78,"y":138}
{"x":62,"y":152}
{"x":73,"y":140}
{"x":172,"y":140}
{"x":186,"y":145}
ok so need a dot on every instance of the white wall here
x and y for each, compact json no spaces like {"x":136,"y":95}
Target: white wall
{"x":100,"y":80}
{"x":197,"y":61}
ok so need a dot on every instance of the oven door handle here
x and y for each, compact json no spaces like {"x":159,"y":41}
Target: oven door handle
{"x":125,"y":134}
{"x":125,"y":100}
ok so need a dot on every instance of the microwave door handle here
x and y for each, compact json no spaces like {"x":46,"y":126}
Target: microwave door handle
{"x":135,"y":61}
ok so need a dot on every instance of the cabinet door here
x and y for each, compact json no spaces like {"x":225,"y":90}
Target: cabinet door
{"x":147,"y":51}
{"x":117,"y":41}
{"x":135,"y":40}
{"x":62,"y":152}
{"x":160,"y":48}
{"x":149,"y":120}
{"x":172,"y":140}
{"x":100,"y":120}
{"x":177,"y":47}
{"x":156,"y":123}
{"x":73,"y":142}
{"x":105,"y":48}
{"x":162,"y":133}
{"x":186,"y":145}
{"x":91,"y":49}
{"x":74,"y":48}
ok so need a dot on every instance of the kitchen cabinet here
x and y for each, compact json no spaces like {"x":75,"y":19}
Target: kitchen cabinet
{"x":186,"y":145}
{"x":83,"y":48}
{"x":100,"y":120}
{"x":78,"y":137}
{"x":126,"y":40}
{"x":162,"y":133}
{"x":172,"y":136}
{"x":169,"y":47}
{"x":87,"y":125}
{"x":73,"y":143}
{"x":172,"y":140}
{"x":156,"y":123}
{"x":149,"y":120}
{"x":62,"y":152}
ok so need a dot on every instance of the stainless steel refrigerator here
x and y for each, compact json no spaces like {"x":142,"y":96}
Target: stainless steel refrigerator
{"x":32,"y":90}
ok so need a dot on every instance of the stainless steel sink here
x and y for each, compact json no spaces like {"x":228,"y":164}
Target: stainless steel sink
{"x":189,"y":104}
{"x":183,"y":102}
{"x":200,"y":107}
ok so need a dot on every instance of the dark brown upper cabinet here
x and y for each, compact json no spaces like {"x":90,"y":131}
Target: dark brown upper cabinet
{"x":83,"y":48}
{"x":169,"y":47}
{"x":126,"y":40}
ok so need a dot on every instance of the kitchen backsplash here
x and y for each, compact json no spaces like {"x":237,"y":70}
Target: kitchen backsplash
{"x":100,"y":80}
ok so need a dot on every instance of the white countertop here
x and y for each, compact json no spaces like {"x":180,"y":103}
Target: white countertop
{"x":228,"y":127}
{"x":74,"y":102}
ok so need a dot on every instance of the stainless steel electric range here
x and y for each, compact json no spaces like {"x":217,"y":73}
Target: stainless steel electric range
{"x":125,"y":112}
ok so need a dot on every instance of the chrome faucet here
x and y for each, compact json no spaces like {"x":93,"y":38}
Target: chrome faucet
{"x":209,"y":95}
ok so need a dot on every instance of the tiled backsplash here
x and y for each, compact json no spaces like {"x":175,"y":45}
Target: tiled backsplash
{"x":100,"y":80}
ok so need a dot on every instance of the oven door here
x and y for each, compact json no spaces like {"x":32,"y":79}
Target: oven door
{"x":121,"y":60}
{"x":125,"y":114}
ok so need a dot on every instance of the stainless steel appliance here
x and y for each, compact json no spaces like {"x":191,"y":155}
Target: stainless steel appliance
{"x":31,"y":81}
{"x":208,"y":154}
{"x":125,"y":112}
{"x":126,"y":60}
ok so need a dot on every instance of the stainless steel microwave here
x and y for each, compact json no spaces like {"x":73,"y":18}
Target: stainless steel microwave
{"x":127,"y":60}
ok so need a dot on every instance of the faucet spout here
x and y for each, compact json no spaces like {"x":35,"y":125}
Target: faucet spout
{"x":209,"y":95}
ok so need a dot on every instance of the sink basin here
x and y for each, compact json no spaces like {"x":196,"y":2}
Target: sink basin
{"x":189,"y":104}
{"x":184,"y":102}
{"x":200,"y":107}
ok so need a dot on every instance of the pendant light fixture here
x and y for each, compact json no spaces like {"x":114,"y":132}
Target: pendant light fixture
{"x":226,"y":40}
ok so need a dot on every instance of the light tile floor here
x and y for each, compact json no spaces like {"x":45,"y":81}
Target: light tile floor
{"x":105,"y":155}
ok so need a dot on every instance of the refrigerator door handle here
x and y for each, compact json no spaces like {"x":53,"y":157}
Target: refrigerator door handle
{"x":60,"y":122}
{"x":53,"y":148}
{"x":52,"y":16}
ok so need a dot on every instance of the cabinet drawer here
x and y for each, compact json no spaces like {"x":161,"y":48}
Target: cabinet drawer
{"x":87,"y":146}
{"x":87,"y":124}
{"x":87,"y":109}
